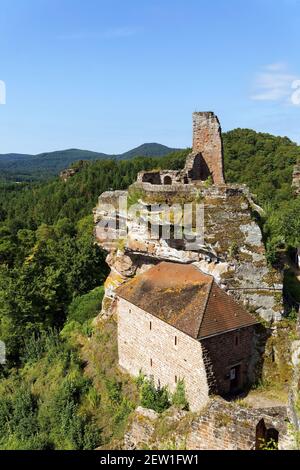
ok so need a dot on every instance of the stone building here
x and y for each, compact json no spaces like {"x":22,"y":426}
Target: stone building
{"x":175,"y":322}
{"x":206,"y":159}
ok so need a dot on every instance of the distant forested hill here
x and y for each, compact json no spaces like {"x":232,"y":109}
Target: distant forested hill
{"x":22,"y":167}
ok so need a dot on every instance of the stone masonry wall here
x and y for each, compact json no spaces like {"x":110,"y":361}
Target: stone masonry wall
{"x":207,"y":140}
{"x":154,"y":352}
{"x":225,"y":427}
{"x":219,"y":426}
{"x":224,"y":354}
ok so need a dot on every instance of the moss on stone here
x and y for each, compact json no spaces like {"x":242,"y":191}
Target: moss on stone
{"x":271,"y":277}
{"x":222,"y":420}
{"x":277,"y":367}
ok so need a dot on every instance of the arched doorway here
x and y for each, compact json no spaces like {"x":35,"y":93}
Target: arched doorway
{"x":266,"y":438}
{"x":167,"y":180}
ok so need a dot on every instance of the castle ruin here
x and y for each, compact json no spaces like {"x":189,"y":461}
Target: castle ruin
{"x":204,"y":162}
{"x":231,"y":249}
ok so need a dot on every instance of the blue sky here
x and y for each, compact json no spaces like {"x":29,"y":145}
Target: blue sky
{"x":108,"y":75}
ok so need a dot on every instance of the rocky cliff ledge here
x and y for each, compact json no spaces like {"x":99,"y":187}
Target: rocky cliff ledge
{"x":231,"y":248}
{"x":296,"y":179}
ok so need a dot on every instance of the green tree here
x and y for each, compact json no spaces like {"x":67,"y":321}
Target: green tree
{"x":179,"y":397}
{"x":156,"y":399}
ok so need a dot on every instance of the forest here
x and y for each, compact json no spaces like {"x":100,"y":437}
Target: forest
{"x":21,"y":167}
{"x":51,"y":277}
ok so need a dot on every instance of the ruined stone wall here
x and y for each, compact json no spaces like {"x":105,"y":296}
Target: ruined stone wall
{"x":159,"y":177}
{"x":206,"y":159}
{"x":213,"y":432}
{"x":220,"y":426}
{"x":207,"y":141}
{"x":225,"y":427}
{"x":154,"y":352}
{"x":228,"y":350}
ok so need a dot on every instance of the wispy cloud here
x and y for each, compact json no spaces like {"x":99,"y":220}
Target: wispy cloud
{"x":2,"y":92}
{"x":276,"y":67}
{"x":111,"y":33}
{"x":276,"y":83}
{"x":295,"y":98}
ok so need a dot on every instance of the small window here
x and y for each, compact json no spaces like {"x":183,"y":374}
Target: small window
{"x":237,"y":339}
{"x":151,"y":363}
{"x":130,"y":310}
{"x":176,"y":379}
{"x":175,"y":341}
{"x":150,"y":325}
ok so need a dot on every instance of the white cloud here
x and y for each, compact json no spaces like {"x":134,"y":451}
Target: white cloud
{"x":2,"y":92}
{"x":275,"y":83}
{"x":276,"y":67}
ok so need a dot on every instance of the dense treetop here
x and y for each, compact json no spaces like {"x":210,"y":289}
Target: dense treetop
{"x":262,"y":161}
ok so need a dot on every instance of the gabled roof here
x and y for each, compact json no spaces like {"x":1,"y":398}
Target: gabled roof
{"x":187,"y":299}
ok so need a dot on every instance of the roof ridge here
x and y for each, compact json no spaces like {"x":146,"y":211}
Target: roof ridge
{"x":212,"y":280}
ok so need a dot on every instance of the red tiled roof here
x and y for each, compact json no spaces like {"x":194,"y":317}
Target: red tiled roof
{"x":187,"y":299}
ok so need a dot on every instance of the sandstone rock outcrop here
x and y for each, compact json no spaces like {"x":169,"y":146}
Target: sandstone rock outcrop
{"x":203,"y":163}
{"x":296,"y":179}
{"x":231,"y":249}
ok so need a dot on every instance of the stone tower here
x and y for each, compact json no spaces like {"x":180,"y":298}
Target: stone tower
{"x":207,"y":142}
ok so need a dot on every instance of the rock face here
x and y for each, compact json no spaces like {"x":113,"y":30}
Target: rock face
{"x":296,"y":179}
{"x":294,"y":393}
{"x":68,"y":173}
{"x":207,"y":141}
{"x":230,"y":247}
